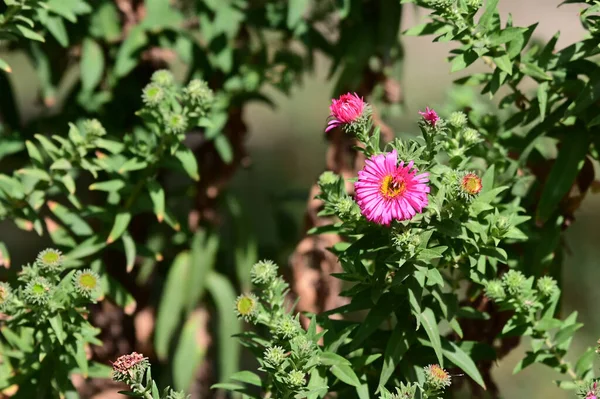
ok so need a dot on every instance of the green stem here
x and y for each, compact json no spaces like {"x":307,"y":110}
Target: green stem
{"x":570,"y":370}
{"x":136,"y":386}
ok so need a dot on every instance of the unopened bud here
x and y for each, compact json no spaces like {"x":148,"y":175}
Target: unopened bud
{"x":457,"y":119}
{"x":263,"y":272}
{"x":514,"y":281}
{"x":494,"y":290}
{"x":546,"y":286}
{"x":436,"y":377}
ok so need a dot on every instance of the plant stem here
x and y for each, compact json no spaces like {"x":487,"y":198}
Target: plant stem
{"x":141,"y":389}
{"x":570,"y":370}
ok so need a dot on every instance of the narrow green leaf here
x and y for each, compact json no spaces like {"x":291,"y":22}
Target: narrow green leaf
{"x":332,"y":359}
{"x":57,"y":325}
{"x":396,"y":347}
{"x":203,"y":257}
{"x":542,"y":96}
{"x":110,"y":186}
{"x":157,"y":195}
{"x":224,"y":297}
{"x":224,"y":148}
{"x":345,"y":374}
{"x":28,"y":33}
{"x":534,"y":71}
{"x":377,"y":315}
{"x":248,"y":377}
{"x":92,"y":64}
{"x":189,"y":352}
{"x":130,"y":251}
{"x":187,"y":159}
{"x":119,"y":227}
{"x":34,"y":153}
{"x":126,"y":58}
{"x":563,"y":173}
{"x":431,"y":328}
{"x":487,"y":17}
{"x":171,"y":304}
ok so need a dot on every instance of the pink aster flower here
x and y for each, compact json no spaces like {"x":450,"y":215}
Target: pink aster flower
{"x":430,"y":116}
{"x":386,"y":190}
{"x":344,"y":110}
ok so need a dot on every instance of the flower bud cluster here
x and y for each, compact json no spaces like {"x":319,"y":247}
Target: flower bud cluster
{"x":517,"y":292}
{"x":436,"y":381}
{"x":173,"y":109}
{"x":290,"y":352}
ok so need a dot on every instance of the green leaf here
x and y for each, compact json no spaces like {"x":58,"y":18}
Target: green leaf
{"x":110,"y":186}
{"x":296,"y":9}
{"x":81,"y":357}
{"x":157,"y":195}
{"x":487,"y":18}
{"x":189,"y":352}
{"x":130,"y":251}
{"x":461,"y":359}
{"x":34,"y":153}
{"x":428,"y":254}
{"x":569,"y":162}
{"x":4,"y":66}
{"x":203,"y":257}
{"x":171,"y":304}
{"x":377,"y":315}
{"x":463,"y":60}
{"x":506,"y":35}
{"x":4,"y":256}
{"x":56,"y":27}
{"x":70,"y":219}
{"x":126,"y":59}
{"x":119,"y":227}
{"x":248,"y":377}
{"x":397,"y":346}
{"x":224,"y":148}
{"x":332,"y":359}
{"x":534,"y":71}
{"x":542,"y":96}
{"x":187,"y":159}
{"x":431,"y":328}
{"x":345,"y":374}
{"x":28,"y":33}
{"x":57,"y":325}
{"x":92,"y":64}
{"x":86,"y":248}
{"x":504,"y":63}
{"x":585,"y":363}
{"x":224,"y":297}
{"x":105,"y":22}
{"x":69,"y":183}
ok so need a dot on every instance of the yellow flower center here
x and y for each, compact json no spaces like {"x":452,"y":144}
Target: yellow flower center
{"x":245,"y":305}
{"x":471,"y":184}
{"x":88,"y":281}
{"x":391,"y":187}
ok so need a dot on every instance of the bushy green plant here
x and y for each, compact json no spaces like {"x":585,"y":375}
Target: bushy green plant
{"x":45,"y":328}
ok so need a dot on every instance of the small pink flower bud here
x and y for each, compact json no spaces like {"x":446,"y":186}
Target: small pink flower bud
{"x":430,"y":116}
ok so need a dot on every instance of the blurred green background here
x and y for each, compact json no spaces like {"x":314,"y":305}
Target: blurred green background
{"x":287,"y":147}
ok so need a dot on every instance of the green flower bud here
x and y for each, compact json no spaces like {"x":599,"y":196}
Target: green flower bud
{"x":471,"y":136}
{"x":87,"y":283}
{"x":288,"y":327}
{"x":494,"y":290}
{"x":93,"y":128}
{"x":263,"y":272}
{"x":246,"y":307}
{"x":5,"y":292}
{"x":302,"y":347}
{"x":500,"y":227}
{"x":177,"y":395}
{"x":200,"y":94}
{"x":407,"y":391}
{"x":163,"y":78}
{"x":274,"y":356}
{"x":176,"y":123}
{"x":328,"y":178}
{"x":436,"y":377}
{"x":128,"y":368}
{"x":457,"y":119}
{"x":38,"y":291}
{"x":153,"y":94}
{"x":546,"y":286}
{"x":50,"y":260}
{"x":347,"y":209}
{"x":296,"y":378}
{"x":514,"y":281}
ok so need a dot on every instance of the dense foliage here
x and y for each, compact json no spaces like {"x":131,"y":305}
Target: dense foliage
{"x":450,"y":244}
